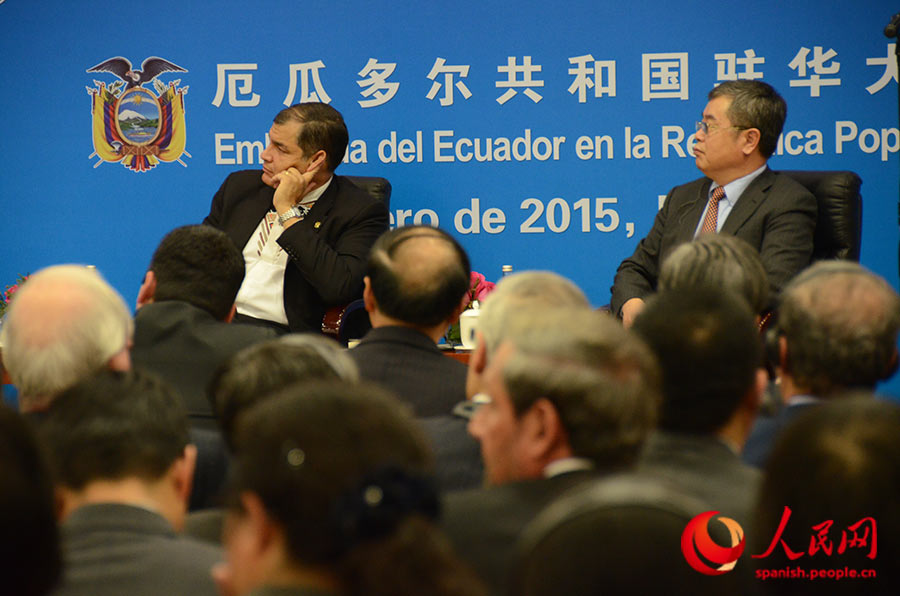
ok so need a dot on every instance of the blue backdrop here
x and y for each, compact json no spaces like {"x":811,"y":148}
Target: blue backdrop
{"x":541,"y":136}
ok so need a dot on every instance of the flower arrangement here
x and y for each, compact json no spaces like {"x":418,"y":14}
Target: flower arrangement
{"x":479,"y":288}
{"x":7,"y":294}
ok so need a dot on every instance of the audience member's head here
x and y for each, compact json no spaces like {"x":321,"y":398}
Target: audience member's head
{"x":754,"y":104}
{"x":331,"y":486}
{"x":30,"y":561}
{"x":528,"y":289}
{"x":265,"y":368}
{"x":564,"y":382}
{"x":721,"y":261}
{"x":118,"y":434}
{"x":322,"y":129}
{"x":64,"y":324}
{"x":710,"y":354}
{"x":195,"y":264}
{"x":416,"y":276}
{"x":838,"y":327}
{"x":837,"y":464}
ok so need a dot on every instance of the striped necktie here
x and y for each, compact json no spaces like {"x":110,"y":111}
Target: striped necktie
{"x":712,"y":211}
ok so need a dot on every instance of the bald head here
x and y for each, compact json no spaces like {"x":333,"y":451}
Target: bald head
{"x":840,"y":324}
{"x":64,"y":324}
{"x":418,"y":275}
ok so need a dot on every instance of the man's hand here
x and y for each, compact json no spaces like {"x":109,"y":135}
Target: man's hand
{"x":290,"y":186}
{"x":630,"y":310}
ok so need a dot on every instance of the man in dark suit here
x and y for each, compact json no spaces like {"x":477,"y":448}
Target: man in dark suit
{"x":836,"y":330}
{"x":304,"y":232}
{"x":776,"y":215}
{"x":708,"y":347}
{"x":568,"y":394}
{"x":118,"y":447}
{"x":416,"y":285}
{"x":185,"y":306}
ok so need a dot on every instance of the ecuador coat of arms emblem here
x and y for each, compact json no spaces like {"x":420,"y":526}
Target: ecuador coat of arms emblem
{"x":132,"y":124}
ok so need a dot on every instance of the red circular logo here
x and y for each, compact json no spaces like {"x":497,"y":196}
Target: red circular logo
{"x":696,"y":543}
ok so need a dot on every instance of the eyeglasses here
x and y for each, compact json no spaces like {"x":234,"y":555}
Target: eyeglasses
{"x":709,"y":129}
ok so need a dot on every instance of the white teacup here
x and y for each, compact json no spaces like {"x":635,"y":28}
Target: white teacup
{"x":468,"y":323}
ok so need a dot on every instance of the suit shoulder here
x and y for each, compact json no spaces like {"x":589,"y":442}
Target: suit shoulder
{"x":351,"y":193}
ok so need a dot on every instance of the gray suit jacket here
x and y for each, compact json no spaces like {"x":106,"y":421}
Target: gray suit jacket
{"x":119,"y":549}
{"x":775,"y":214}
{"x":705,"y":468}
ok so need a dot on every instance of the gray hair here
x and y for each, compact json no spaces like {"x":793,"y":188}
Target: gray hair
{"x":331,"y":352}
{"x":755,"y":104}
{"x":601,"y":378}
{"x":841,"y":323}
{"x":539,"y":289}
{"x":64,"y":324}
{"x":719,"y":261}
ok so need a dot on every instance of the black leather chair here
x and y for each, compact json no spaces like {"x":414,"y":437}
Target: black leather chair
{"x":351,"y":321}
{"x":839,"y":225}
{"x":621,"y":534}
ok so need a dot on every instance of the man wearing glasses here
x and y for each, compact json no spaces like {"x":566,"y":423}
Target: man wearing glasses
{"x":738,"y":195}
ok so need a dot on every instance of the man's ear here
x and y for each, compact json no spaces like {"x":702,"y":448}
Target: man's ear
{"x":368,"y":295}
{"x":752,"y":136}
{"x":477,"y":363}
{"x":183,"y":472}
{"x":319,"y":160}
{"x":783,"y":359}
{"x":546,"y":438}
{"x":264,"y":530}
{"x":148,"y":289}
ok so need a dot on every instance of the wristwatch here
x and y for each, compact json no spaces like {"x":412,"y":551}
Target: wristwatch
{"x":295,"y":211}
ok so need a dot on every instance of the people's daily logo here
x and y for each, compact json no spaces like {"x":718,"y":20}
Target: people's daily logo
{"x":702,"y":553}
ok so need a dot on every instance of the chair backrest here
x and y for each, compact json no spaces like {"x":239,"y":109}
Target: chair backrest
{"x":839,"y":225}
{"x":378,"y":188}
{"x":618,"y":535}
{"x":351,"y":321}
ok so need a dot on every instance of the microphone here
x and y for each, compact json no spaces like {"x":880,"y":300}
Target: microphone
{"x":891,"y":29}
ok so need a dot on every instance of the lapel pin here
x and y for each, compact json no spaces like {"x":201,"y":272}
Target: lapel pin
{"x":317,"y":225}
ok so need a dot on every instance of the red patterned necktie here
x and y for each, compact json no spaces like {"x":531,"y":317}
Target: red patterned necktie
{"x":712,"y":211}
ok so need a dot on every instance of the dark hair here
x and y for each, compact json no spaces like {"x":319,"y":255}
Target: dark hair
{"x":841,"y":323}
{"x":254,"y":373}
{"x":415,"y":279}
{"x":709,"y":350}
{"x":721,"y":261}
{"x":322,"y":128}
{"x":112,"y":426}
{"x":30,"y":560}
{"x":837,"y":461}
{"x":341,"y":468}
{"x":755,"y":104}
{"x":199,"y":265}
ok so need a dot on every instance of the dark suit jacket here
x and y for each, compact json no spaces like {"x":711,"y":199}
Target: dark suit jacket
{"x":326,"y":251}
{"x":484,"y":524}
{"x":765,"y":432}
{"x":185,"y":345}
{"x":775,"y":214}
{"x":408,"y":363}
{"x":705,"y":468}
{"x":119,"y":549}
{"x":457,"y":455}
